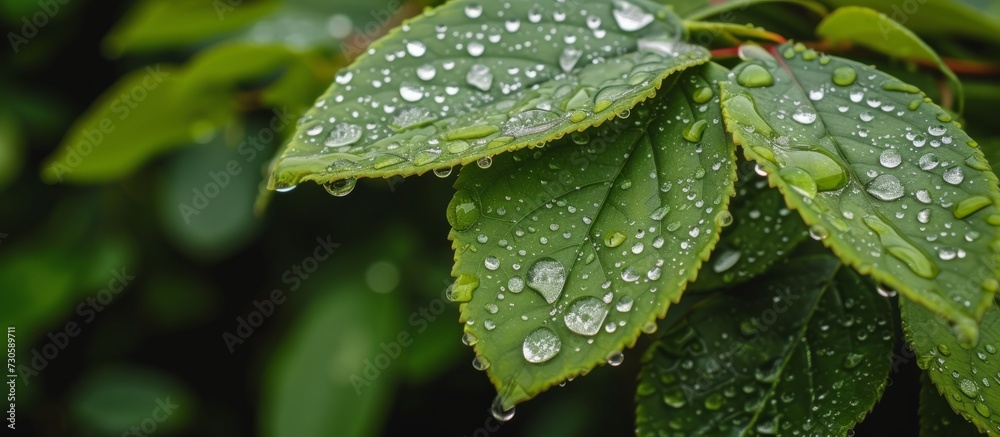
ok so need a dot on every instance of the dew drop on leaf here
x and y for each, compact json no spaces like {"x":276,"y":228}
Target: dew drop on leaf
{"x":586,"y":315}
{"x":547,"y":276}
{"x":541,"y":345}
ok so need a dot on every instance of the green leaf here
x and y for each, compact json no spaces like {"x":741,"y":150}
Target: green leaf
{"x":968,"y":378}
{"x":936,"y":416}
{"x":764,"y":231}
{"x":703,"y":9}
{"x":564,"y":254}
{"x":112,"y":400}
{"x":330,"y":373}
{"x":469,"y":80}
{"x":167,"y":24}
{"x":806,"y":348}
{"x":947,"y":19}
{"x":869,"y":28}
{"x":895,"y":187}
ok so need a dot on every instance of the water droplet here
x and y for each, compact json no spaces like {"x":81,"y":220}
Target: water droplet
{"x":937,"y":131}
{"x":512,"y":25}
{"x":954,"y":175}
{"x":615,"y":358}
{"x":426,"y":72}
{"x":614,"y":238}
{"x":968,"y":388}
{"x":484,"y":162}
{"x":885,"y":187}
{"x":480,"y":77}
{"x":442,"y":172}
{"x":674,"y":398}
{"x":475,"y":49}
{"x":624,"y":304}
{"x":800,"y":180}
{"x":463,"y":211}
{"x":818,"y":233}
{"x":491,"y":262}
{"x":724,"y":218}
{"x":586,"y":315}
{"x":530,"y":122}
{"x":411,"y":93}
{"x":341,"y":188}
{"x":469,"y":339}
{"x":480,"y":363}
{"x":890,"y":158}
{"x":416,"y":48}
{"x":569,"y":58}
{"x":515,"y":284}
{"x":982,"y":409}
{"x":630,"y":17}
{"x":285,"y":189}
{"x":804,"y":115}
{"x":755,"y":76}
{"x":852,"y":360}
{"x":885,"y":291}
{"x":726,"y":259}
{"x":343,"y":134}
{"x":548,"y":277}
{"x":928,"y":161}
{"x":496,"y":409}
{"x":924,"y":215}
{"x":541,"y":345}
{"x":473,"y":10}
{"x":344,"y":78}
{"x":693,"y":132}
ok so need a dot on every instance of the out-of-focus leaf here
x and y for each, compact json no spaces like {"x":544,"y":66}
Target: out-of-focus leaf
{"x":335,"y":370}
{"x":869,"y":28}
{"x":176,"y":298}
{"x":167,"y":24}
{"x":419,"y":100}
{"x":11,"y":148}
{"x":882,"y":175}
{"x":805,"y":348}
{"x":140,"y":116}
{"x":942,"y":18}
{"x":207,"y":200}
{"x":705,"y":9}
{"x":112,"y":400}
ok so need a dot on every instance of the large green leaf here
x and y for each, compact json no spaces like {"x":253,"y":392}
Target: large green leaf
{"x":896,"y":188}
{"x":803,"y":350}
{"x":703,"y":9}
{"x":936,"y":416}
{"x":563,"y":255}
{"x":469,"y":80}
{"x":968,"y":378}
{"x":764,"y":231}
{"x":940,"y":18}
{"x":869,"y":28}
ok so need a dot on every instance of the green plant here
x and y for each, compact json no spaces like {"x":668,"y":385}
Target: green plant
{"x":605,"y":143}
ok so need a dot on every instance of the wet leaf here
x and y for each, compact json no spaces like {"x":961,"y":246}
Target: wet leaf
{"x":469,"y":80}
{"x":786,"y":354}
{"x":764,"y":231}
{"x":565,"y":254}
{"x":936,"y":416}
{"x":881,"y":174}
{"x":969,"y":379}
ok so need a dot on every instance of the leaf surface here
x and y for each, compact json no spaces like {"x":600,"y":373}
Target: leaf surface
{"x":969,"y":379}
{"x":896,"y":189}
{"x":564,"y":254}
{"x":786,"y":354}
{"x":936,"y":416}
{"x":469,"y":80}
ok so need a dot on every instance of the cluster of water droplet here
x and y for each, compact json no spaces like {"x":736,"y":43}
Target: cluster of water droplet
{"x":881,"y":154}
{"x":434,"y":96}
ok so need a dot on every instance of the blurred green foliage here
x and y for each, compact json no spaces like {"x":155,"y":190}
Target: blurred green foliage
{"x":118,"y":205}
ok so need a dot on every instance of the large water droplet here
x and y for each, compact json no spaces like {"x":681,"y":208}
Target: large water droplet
{"x":755,"y":76}
{"x":630,"y":17}
{"x":726,"y":259}
{"x":885,"y":187}
{"x":548,"y":277}
{"x":416,"y":48}
{"x":463,"y":211}
{"x":474,"y":10}
{"x":343,"y":134}
{"x":498,"y":412}
{"x":515,"y":284}
{"x":569,"y":58}
{"x":804,"y":115}
{"x":480,"y":77}
{"x":954,"y":175}
{"x":928,"y":161}
{"x":586,"y":315}
{"x":426,"y":72}
{"x":530,"y":122}
{"x":410,"y":92}
{"x":890,"y":158}
{"x":541,"y":345}
{"x":844,"y":76}
{"x":342,"y":187}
